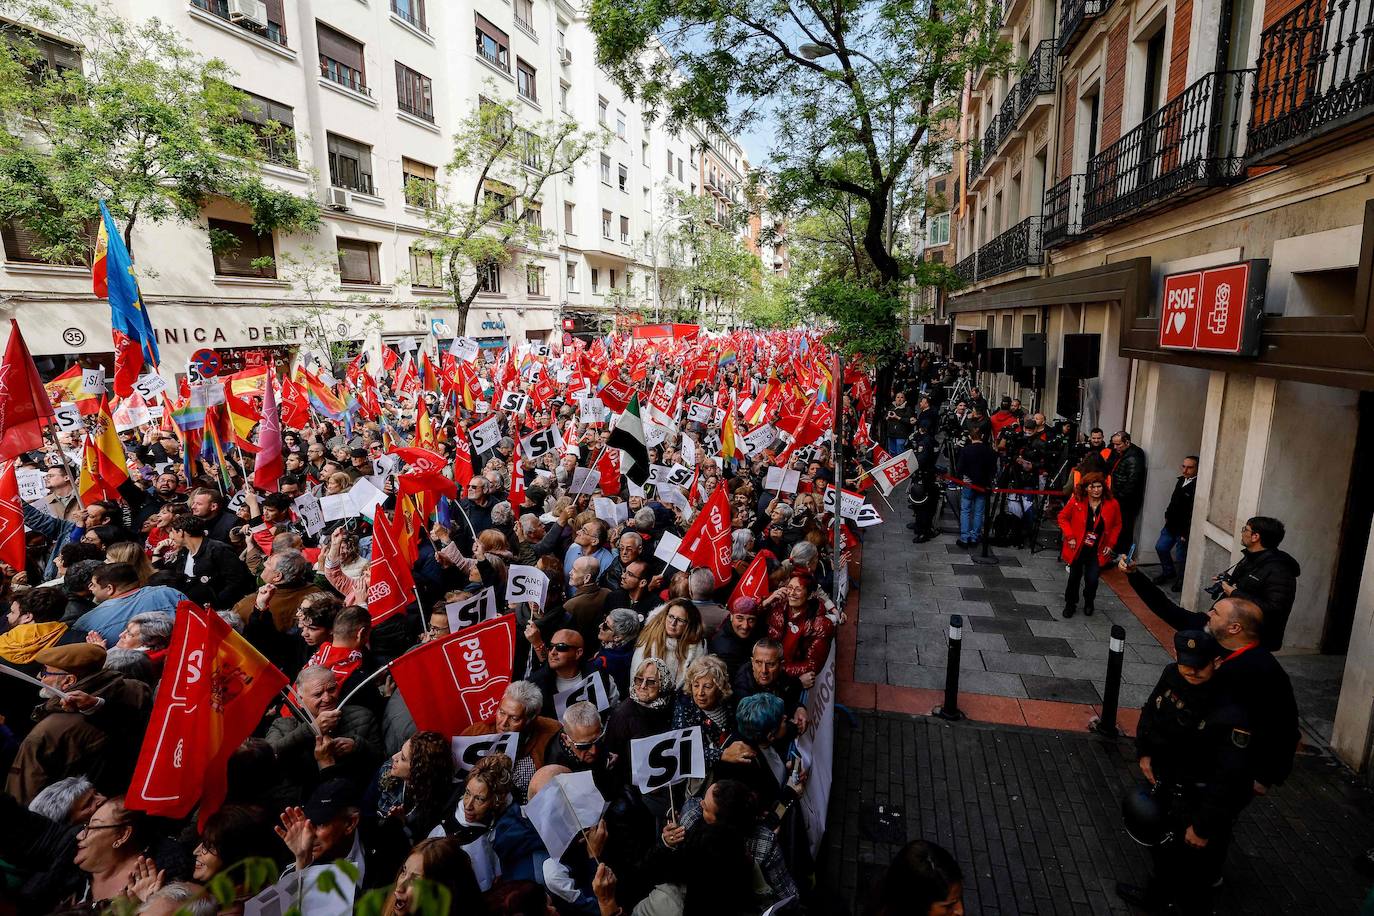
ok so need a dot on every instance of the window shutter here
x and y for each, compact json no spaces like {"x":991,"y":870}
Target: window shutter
{"x":340,"y":47}
{"x":485,"y":25}
{"x":355,"y":261}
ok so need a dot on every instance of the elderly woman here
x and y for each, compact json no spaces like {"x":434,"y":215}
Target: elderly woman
{"x":797,"y":619}
{"x":647,"y":710}
{"x":148,"y":632}
{"x":342,"y":554}
{"x":707,"y":700}
{"x":487,"y":798}
{"x":617,"y":634}
{"x":107,"y":850}
{"x":674,"y":633}
{"x":519,"y":712}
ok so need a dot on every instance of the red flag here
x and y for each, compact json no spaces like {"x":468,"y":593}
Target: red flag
{"x":295,"y":410}
{"x":214,"y":689}
{"x":462,"y":459}
{"x":268,"y":465}
{"x":609,"y":467}
{"x":707,"y":542}
{"x":615,"y":395}
{"x":754,"y":583}
{"x":420,"y":459}
{"x":24,"y":404}
{"x":426,"y":482}
{"x":389,"y":580}
{"x":389,"y":359}
{"x":12,"y":549}
{"x":451,"y":683}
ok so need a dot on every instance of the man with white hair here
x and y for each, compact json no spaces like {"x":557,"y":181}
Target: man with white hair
{"x":579,"y":746}
{"x":587,"y":606}
{"x":519,"y":712}
{"x":701,"y":582}
{"x":629,"y":548}
{"x":354,"y":737}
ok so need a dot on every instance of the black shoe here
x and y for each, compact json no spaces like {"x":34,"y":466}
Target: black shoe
{"x":1162,"y":578}
{"x":1087,"y":610}
{"x":1144,"y":897}
{"x":961,"y":543}
{"x":1068,"y":611}
{"x":920,"y":539}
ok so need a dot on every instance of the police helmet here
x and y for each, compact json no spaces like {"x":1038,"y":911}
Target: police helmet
{"x":917,"y":493}
{"x":1144,"y":817}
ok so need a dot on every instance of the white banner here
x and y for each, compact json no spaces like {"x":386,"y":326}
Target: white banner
{"x":485,"y":436}
{"x":527,"y":583}
{"x":469,"y":611}
{"x":662,"y":760}
{"x":591,"y":688}
{"x":308,"y":510}
{"x":68,"y":418}
{"x":654,"y":434}
{"x":513,"y":402}
{"x":609,"y":511}
{"x":701,"y":412}
{"x":782,"y":480}
{"x":893,"y":471}
{"x":540,"y":443}
{"x":93,"y":380}
{"x":689,"y":450}
{"x":850,"y":503}
{"x":666,"y":550}
{"x":150,"y":386}
{"x":467,"y":751}
{"x":33,"y":484}
{"x":565,"y":807}
{"x":756,"y":440}
{"x":817,"y":751}
{"x":465,"y":348}
{"x":584,"y":480}
{"x":676,"y":474}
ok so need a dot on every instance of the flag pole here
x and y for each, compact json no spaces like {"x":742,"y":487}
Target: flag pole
{"x":382,"y":670}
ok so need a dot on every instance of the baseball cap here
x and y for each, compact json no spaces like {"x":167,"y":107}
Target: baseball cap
{"x":330,"y":799}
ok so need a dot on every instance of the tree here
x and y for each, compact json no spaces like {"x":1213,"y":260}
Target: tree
{"x":769,"y":305}
{"x":704,"y":261}
{"x":141,"y":122}
{"x":862,"y":89}
{"x":489,"y":212}
{"x":325,"y":322}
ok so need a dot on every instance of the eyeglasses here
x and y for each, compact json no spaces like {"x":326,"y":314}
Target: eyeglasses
{"x":681,"y":620}
{"x":562,"y":647}
{"x":49,"y":673}
{"x":582,"y":745}
{"x":88,"y":827}
{"x":646,"y":682}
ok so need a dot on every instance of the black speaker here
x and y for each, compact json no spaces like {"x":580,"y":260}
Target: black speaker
{"x":1033,"y":350}
{"x":1014,"y":357}
{"x":963,"y":352}
{"x":1082,"y":353}
{"x":1030,"y":377}
{"x":980,"y":341}
{"x":1066,"y":402}
{"x":997,"y":359}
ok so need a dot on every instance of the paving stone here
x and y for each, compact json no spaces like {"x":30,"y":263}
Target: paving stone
{"x":1066,"y":629}
{"x":1015,"y":663}
{"x":1013,"y":627}
{"x":1010,"y":609}
{"x":1049,"y":599}
{"x":1089,"y":648}
{"x":1149,"y":652}
{"x":1038,"y":645}
{"x":1141,"y":673}
{"x":1083,"y":669}
{"x":938,"y":657}
{"x":924,"y":676}
{"x":1061,"y":689}
{"x":987,"y":594}
{"x":963,"y":581}
{"x":997,"y":683}
{"x":967,"y":608}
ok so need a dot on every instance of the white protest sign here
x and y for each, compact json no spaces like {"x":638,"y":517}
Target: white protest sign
{"x":584,"y":480}
{"x":654,"y":434}
{"x":591,"y":410}
{"x":366,"y":497}
{"x":150,"y":386}
{"x":473,"y":610}
{"x":513,"y":402}
{"x":670,"y":495}
{"x":541,"y":351}
{"x":526,"y":583}
{"x":689,"y":450}
{"x":868,"y":516}
{"x":309,"y":511}
{"x":783,"y":480}
{"x":632,"y":488}
{"x":408,"y":345}
{"x":676,"y":474}
{"x":237,"y":501}
{"x":337,"y":506}
{"x":817,"y":750}
{"x":540,"y":443}
{"x":662,"y":760}
{"x":610,"y":511}
{"x":467,"y":751}
{"x":850,"y":503}
{"x":666,"y":550}
{"x":155,"y":412}
{"x":465,"y":348}
{"x":485,"y":436}
{"x":68,"y":418}
{"x":385,"y":464}
{"x":566,"y":806}
{"x":32,"y":484}
{"x":700,"y":412}
{"x":591,"y":688}
{"x":93,"y":380}
{"x":756,"y":440}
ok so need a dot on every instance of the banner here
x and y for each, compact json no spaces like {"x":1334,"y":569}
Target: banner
{"x":471,"y":611}
{"x":756,"y":440}
{"x":450,"y":683}
{"x":539,"y":444}
{"x":591,"y":688}
{"x":893,"y":471}
{"x":485,"y":436}
{"x":526,"y":583}
{"x":850,"y":503}
{"x":662,"y":760}
{"x":817,"y":751}
{"x":467,"y":751}
{"x":567,"y":805}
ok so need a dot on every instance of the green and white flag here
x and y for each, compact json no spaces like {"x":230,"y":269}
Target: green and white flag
{"x":628,"y":436}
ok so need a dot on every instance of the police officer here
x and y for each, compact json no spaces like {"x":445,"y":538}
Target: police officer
{"x":1193,"y":746}
{"x":923,"y":495}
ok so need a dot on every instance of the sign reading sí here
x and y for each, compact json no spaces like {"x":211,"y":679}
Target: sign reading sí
{"x":1217,"y":310}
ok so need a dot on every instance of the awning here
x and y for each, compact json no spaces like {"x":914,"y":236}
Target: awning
{"x":660,"y":331}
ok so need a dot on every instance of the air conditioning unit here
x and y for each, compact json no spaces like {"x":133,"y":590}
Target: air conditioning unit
{"x":338,"y":198}
{"x":250,"y":11}
{"x":565,"y":56}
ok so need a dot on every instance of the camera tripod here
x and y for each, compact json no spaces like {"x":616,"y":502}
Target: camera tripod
{"x":1041,"y":503}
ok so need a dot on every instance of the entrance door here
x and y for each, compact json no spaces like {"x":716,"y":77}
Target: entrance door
{"x":1359,"y":514}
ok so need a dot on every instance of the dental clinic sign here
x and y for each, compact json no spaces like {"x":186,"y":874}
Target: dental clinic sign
{"x":1217,"y":310}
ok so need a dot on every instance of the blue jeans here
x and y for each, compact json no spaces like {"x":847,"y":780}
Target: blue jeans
{"x":972,"y":505}
{"x":1172,"y":550}
{"x":896,"y":446}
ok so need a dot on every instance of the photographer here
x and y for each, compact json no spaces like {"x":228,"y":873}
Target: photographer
{"x":1266,"y":576}
{"x":898,"y":424}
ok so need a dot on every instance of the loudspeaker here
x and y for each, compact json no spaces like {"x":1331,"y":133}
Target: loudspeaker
{"x":1066,"y":402}
{"x":980,"y":341}
{"x":1014,"y":357}
{"x":1030,"y":377}
{"x":1082,"y":353}
{"x":1033,"y":350}
{"x":997,"y":359}
{"x":963,"y":352}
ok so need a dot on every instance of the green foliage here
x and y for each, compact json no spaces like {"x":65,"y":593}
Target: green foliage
{"x":314,"y":274}
{"x":862,"y":320}
{"x":701,"y":262}
{"x":145,"y":124}
{"x":769,"y":306}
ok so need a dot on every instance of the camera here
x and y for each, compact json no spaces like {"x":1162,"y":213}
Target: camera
{"x":1216,"y":590}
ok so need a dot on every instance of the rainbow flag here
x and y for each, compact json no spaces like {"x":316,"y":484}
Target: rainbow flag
{"x":728,"y":357}
{"x":188,"y":418}
{"x":324,"y":401}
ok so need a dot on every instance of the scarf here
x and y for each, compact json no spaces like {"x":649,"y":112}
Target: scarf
{"x":663,"y":684}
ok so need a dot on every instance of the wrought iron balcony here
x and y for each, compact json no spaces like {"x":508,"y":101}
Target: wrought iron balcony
{"x":1063,"y":212}
{"x":1190,"y":144}
{"x":964,"y":269}
{"x":1074,"y":19}
{"x":1042,"y":70}
{"x":984,"y":151}
{"x":1006,"y":117}
{"x":975,"y":164}
{"x":1018,"y":247}
{"x":1315,"y":76}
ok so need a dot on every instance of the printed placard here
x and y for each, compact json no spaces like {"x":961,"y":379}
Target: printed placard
{"x":668,"y":758}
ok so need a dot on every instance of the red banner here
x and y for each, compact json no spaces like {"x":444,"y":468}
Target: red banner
{"x":453,"y":682}
{"x":707,"y":542}
{"x":389,"y":582}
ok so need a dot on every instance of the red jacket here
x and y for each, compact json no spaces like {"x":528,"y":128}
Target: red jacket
{"x":1073,"y":522}
{"x":808,"y":638}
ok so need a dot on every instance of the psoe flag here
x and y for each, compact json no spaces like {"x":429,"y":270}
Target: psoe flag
{"x":453,"y":682}
{"x":893,"y":471}
{"x":135,"y":344}
{"x":214,"y":689}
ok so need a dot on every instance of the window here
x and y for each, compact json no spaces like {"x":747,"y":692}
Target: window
{"x":531,"y":154}
{"x":679,"y":170}
{"x":568,"y":225}
{"x":489,"y":277}
{"x":648,"y":200}
{"x":625,"y":229}
{"x":276,"y":28}
{"x":359,"y":262}
{"x":605,"y":169}
{"x":412,"y":11}
{"x":524,"y":80}
{"x":937,"y":233}
{"x":606,"y":224}
{"x":670,"y":162}
{"x":497,"y":121}
{"x":341,"y":59}
{"x":424,"y":269}
{"x":350,"y":164}
{"x":620,"y":124}
{"x":419,"y":182}
{"x":572,"y":277}
{"x":601,"y":107}
{"x":562,"y":35}
{"x":493,"y":45}
{"x":644,"y":152}
{"x":694,"y":189}
{"x":624,"y":175}
{"x":22,"y":244}
{"x":235,"y":246}
{"x":50,"y":57}
{"x":414,"y":93}
{"x":534,"y":281}
{"x":563,"y":88}
{"x":611,"y":277}
{"x":596,"y":281}
{"x":274,"y":124}
{"x":498,"y":200}
{"x":534,"y":215}
{"x":524,"y":14}
{"x":692,"y":154}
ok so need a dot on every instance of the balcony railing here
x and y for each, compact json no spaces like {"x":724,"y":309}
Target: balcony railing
{"x":965,"y":269}
{"x":1037,"y":79}
{"x":1014,"y":249}
{"x":272,"y":31}
{"x":346,"y":173}
{"x":1063,"y":212}
{"x":341,"y":73}
{"x":1189,"y":144}
{"x":413,"y":13}
{"x":1315,"y":76}
{"x":975,"y":165}
{"x":1074,"y":19}
{"x":984,"y":150}
{"x":1006,"y":116}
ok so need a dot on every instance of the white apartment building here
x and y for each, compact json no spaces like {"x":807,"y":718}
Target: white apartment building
{"x":373,"y":90}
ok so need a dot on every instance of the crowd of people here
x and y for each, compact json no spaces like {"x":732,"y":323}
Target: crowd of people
{"x":336,"y":786}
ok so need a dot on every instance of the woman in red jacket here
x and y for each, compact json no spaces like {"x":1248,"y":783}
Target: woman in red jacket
{"x":1090,"y":522}
{"x":797,"y":621}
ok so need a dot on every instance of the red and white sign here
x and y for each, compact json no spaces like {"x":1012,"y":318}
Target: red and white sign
{"x":1218,"y":310}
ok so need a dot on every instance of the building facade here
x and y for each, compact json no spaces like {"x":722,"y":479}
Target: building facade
{"x":370,"y":96}
{"x":1178,"y":137}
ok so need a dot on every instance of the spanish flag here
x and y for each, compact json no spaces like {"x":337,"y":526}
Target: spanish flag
{"x":103,"y":465}
{"x":424,"y":429}
{"x":728,"y":449}
{"x":66,"y":389}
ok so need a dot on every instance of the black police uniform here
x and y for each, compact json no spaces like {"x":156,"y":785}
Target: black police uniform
{"x":924,"y":494}
{"x":1199,"y":744}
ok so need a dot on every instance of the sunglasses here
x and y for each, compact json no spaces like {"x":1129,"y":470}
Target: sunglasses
{"x":646,"y":682}
{"x":562,"y":647}
{"x":583,"y":745}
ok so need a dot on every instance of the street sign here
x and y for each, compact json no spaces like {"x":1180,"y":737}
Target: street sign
{"x":206,"y":363}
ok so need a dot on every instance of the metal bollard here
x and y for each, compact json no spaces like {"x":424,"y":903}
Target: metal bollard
{"x":950,"y":710}
{"x":1111,"y":693}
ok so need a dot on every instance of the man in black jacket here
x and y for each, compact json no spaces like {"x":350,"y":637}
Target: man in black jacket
{"x":218,"y":577}
{"x":1127,"y":471}
{"x":1178,"y":519}
{"x":208,"y":505}
{"x":1266,"y":576}
{"x":976,"y":465}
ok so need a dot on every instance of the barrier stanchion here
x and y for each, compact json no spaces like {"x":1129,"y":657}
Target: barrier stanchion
{"x":1111,"y":691}
{"x":950,"y":709}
